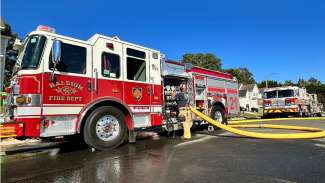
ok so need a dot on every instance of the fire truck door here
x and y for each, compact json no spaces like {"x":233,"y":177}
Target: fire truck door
{"x":107,"y":70}
{"x":137,"y":86}
{"x":65,"y":90}
{"x":69,"y":93}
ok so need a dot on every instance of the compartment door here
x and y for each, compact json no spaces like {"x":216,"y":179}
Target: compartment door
{"x":156,"y":99}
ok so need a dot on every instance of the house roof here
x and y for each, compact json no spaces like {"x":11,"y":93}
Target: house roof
{"x":249,"y":87}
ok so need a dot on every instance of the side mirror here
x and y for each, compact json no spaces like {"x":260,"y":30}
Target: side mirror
{"x":56,"y":58}
{"x":56,"y":52}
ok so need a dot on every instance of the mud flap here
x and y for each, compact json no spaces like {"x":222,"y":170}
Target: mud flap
{"x":132,"y":136}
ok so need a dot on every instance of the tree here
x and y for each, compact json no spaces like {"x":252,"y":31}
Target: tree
{"x":7,"y":37}
{"x":243,"y":75}
{"x":270,"y":84}
{"x":313,"y":81}
{"x":11,"y":58}
{"x":208,"y":60}
{"x":301,"y":82}
{"x":288,"y":83}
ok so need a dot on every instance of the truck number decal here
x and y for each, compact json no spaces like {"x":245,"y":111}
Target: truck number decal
{"x":233,"y":103}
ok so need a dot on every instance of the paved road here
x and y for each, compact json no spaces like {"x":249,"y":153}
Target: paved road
{"x":205,"y":158}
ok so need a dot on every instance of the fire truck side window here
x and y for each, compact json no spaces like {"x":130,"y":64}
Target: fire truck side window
{"x":73,"y":59}
{"x":135,"y":53}
{"x":110,"y":65}
{"x":136,"y":69}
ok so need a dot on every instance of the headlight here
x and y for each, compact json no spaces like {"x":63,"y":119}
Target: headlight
{"x":23,"y":100}
{"x":28,"y":100}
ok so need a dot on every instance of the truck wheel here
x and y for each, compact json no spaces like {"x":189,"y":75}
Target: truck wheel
{"x":300,"y":113}
{"x":105,"y":128}
{"x":218,"y":114}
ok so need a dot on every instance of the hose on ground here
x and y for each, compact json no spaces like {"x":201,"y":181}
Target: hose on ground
{"x":274,"y":119}
{"x":313,"y":132}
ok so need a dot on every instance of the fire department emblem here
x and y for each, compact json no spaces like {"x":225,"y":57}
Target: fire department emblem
{"x":65,"y":90}
{"x":137,"y":93}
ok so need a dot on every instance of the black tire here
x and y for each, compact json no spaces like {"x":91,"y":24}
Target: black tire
{"x":89,"y":130}
{"x":300,"y":113}
{"x":217,"y":108}
{"x":265,"y":116}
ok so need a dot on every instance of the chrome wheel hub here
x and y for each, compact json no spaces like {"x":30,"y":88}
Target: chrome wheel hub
{"x":107,"y":128}
{"x":218,"y":116}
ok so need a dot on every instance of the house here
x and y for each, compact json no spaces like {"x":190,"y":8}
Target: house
{"x":249,"y":97}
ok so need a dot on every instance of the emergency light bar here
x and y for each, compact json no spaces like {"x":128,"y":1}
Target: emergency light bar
{"x":45,"y":28}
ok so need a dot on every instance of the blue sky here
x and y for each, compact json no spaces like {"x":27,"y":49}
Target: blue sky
{"x":275,"y":39}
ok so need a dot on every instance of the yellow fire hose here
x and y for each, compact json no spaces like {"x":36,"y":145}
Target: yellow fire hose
{"x":274,"y":119}
{"x":313,"y":132}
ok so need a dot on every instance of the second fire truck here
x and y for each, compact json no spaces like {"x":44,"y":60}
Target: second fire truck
{"x":290,"y":100}
{"x":105,"y":89}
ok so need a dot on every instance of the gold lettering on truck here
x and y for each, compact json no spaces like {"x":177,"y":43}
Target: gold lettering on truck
{"x":67,"y":90}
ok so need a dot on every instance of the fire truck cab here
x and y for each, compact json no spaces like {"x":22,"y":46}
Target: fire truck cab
{"x":103,"y":88}
{"x":288,"y":100}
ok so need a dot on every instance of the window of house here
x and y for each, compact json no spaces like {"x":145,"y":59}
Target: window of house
{"x":136,"y":69}
{"x":73,"y":59}
{"x":111,"y":65}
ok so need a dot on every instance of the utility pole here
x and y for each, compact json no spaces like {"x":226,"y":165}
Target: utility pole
{"x":267,"y":79}
{"x":267,"y":84}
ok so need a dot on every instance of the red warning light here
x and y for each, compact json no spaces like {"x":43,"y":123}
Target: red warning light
{"x":110,"y":46}
{"x":45,"y":28}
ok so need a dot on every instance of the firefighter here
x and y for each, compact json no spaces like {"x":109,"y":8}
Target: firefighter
{"x":182,"y":100}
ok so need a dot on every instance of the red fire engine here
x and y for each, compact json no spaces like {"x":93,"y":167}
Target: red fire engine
{"x":105,"y":89}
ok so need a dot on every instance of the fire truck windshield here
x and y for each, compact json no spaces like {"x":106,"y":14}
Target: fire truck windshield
{"x":33,"y":52}
{"x":270,"y":94}
{"x":285,"y":93}
{"x":278,"y":94}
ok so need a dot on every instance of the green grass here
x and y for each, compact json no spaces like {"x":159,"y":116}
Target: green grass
{"x":251,"y":115}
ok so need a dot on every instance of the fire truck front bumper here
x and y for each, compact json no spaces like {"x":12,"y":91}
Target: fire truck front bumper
{"x":280,"y":110}
{"x":11,"y":129}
